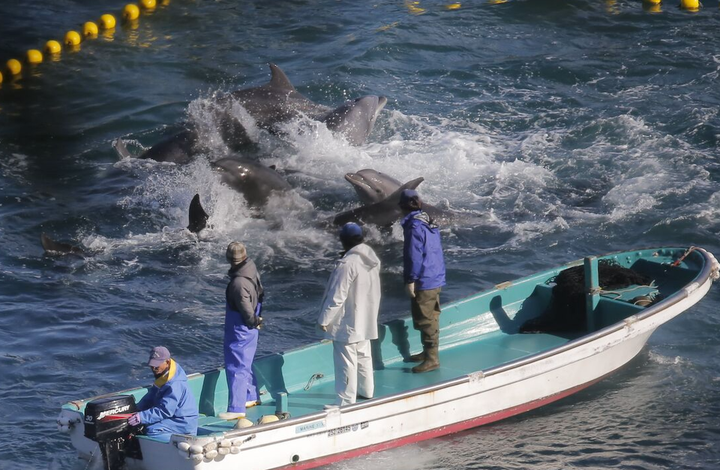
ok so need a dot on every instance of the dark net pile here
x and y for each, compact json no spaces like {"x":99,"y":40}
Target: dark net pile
{"x":567,"y":307}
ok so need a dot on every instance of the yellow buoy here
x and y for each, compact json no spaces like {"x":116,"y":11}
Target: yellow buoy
{"x":690,"y":5}
{"x":90,"y":30}
{"x":453,"y":6}
{"x":34,"y":56}
{"x":652,"y":2}
{"x":107,"y":21}
{"x":14,"y":66}
{"x":53,"y":47}
{"x":72,"y":38}
{"x":131,"y":12}
{"x":148,"y":4}
{"x":0,"y":77}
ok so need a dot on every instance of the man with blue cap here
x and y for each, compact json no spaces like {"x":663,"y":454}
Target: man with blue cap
{"x":424,"y":275}
{"x":169,"y":407}
{"x":349,"y":315}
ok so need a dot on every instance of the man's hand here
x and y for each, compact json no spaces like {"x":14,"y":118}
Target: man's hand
{"x":322,"y":327}
{"x":410,"y":289}
{"x":134,"y":420}
{"x":259,"y":323}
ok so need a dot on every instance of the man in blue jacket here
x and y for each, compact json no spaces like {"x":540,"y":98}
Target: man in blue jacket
{"x":169,"y":407}
{"x":424,"y":275}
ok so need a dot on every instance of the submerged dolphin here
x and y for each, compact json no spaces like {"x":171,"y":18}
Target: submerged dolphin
{"x":52,"y":247}
{"x":253,"y":180}
{"x":268,"y":105}
{"x":372,"y":186}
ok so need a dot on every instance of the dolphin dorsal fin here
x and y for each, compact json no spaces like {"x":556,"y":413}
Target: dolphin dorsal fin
{"x":197,"y":216}
{"x":412,"y":184}
{"x":279,"y":79}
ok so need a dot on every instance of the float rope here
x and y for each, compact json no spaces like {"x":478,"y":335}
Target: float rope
{"x":72,"y":39}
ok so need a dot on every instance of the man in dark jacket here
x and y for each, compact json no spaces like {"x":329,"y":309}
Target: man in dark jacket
{"x":169,"y":407}
{"x":243,"y":309}
{"x":424,"y":275}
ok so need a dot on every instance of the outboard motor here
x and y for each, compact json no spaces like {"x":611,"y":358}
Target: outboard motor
{"x":106,"y":424}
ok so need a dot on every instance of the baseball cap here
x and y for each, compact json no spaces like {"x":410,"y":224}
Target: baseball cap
{"x":158,"y":355}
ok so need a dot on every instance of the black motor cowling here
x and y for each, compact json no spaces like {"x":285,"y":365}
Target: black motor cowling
{"x":115,"y":437}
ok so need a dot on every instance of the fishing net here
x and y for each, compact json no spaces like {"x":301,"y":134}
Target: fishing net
{"x":566,"y":311}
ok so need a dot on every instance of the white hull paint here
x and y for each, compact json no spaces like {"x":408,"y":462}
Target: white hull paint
{"x":459,"y":404}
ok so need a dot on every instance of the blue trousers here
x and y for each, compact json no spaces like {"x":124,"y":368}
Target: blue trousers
{"x":240,"y":346}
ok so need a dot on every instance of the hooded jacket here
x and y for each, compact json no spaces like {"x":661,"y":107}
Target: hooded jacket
{"x":422,"y":252}
{"x":170,"y":403}
{"x":352,"y":298}
{"x":244,"y":291}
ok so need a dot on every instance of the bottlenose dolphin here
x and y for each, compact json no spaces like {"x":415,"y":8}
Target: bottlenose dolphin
{"x":382,"y":214}
{"x":253,"y":180}
{"x":372,"y":186}
{"x":196,"y":215}
{"x":52,"y":247}
{"x":268,"y":105}
{"x":356,"y":118}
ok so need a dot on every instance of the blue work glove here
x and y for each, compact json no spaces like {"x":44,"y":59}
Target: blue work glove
{"x":134,"y":420}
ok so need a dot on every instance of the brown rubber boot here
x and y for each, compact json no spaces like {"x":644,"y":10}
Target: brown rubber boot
{"x":419,"y":357}
{"x":431,"y":361}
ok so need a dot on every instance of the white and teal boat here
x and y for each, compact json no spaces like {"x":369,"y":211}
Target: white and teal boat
{"x":489,"y":371}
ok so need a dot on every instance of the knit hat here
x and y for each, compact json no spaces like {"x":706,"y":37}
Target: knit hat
{"x":236,"y":253}
{"x":351,"y":230}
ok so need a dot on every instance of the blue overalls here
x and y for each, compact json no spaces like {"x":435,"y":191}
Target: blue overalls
{"x":239,"y":347}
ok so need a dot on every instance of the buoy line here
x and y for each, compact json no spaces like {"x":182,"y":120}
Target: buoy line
{"x":13,"y":68}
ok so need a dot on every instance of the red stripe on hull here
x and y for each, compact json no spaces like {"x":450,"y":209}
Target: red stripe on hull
{"x":433,"y":433}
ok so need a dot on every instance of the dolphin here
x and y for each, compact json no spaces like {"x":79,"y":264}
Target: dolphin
{"x":383,"y":213}
{"x":52,"y":247}
{"x":253,"y":180}
{"x":372,"y":186}
{"x":355,"y":119}
{"x":196,"y":215}
{"x":268,"y":105}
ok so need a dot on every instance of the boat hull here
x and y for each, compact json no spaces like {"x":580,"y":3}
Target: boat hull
{"x":470,"y":400}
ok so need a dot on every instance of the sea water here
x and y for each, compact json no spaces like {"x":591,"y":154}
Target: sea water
{"x":556,"y":129}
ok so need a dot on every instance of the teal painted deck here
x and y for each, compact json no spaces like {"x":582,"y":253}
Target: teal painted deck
{"x":477,"y":333}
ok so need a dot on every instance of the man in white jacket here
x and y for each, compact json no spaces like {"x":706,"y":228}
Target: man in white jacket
{"x":349,"y":315}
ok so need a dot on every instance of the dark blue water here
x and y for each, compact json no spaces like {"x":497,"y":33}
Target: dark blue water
{"x":560,"y":129}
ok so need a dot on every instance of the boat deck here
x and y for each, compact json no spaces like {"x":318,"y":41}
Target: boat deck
{"x":396,"y":376}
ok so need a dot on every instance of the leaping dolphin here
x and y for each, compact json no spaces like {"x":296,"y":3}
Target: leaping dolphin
{"x":268,"y":105}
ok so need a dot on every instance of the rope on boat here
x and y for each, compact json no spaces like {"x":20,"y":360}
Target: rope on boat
{"x":677,"y":262}
{"x":312,"y":380}
{"x":715,"y":270}
{"x":619,"y":292}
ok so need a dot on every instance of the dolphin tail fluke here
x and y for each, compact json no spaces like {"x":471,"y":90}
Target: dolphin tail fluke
{"x":197,"y":215}
{"x":52,"y":247}
{"x":121,"y":149}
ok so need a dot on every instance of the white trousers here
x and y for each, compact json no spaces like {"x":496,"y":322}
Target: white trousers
{"x":353,"y":371}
